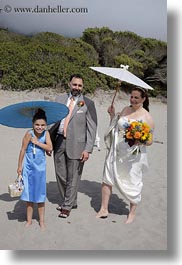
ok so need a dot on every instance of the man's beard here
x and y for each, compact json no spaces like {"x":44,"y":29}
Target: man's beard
{"x":75,"y":92}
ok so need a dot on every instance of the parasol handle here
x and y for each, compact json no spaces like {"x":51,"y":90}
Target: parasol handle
{"x":112,"y":103}
{"x":117,"y":89}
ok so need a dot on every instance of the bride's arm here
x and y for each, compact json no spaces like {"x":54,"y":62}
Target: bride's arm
{"x":111,"y":111}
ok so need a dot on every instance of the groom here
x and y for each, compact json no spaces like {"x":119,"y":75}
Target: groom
{"x":74,"y":143}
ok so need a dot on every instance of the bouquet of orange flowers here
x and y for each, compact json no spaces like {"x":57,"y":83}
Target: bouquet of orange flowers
{"x":137,"y":131}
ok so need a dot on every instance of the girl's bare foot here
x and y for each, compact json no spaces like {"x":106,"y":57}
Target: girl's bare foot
{"x":102,"y":214}
{"x":28,"y":223}
{"x":130,"y":218}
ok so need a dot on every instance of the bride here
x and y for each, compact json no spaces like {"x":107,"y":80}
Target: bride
{"x":124,"y":163}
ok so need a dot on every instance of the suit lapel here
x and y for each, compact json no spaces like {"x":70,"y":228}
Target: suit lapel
{"x":76,"y":108}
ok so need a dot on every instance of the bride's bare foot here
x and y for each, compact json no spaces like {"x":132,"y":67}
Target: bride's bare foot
{"x":102,"y":214}
{"x":28,"y":224}
{"x":130,"y":218}
{"x":42,"y":226}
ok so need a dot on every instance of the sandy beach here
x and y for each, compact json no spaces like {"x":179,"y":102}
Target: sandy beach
{"x":82,"y":231}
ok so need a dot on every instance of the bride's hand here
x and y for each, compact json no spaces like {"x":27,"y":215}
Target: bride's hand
{"x":111,"y":110}
{"x":138,"y":143}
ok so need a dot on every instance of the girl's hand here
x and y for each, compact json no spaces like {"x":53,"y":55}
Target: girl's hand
{"x":34,"y":140}
{"x":49,"y":153}
{"x":19,"y":171}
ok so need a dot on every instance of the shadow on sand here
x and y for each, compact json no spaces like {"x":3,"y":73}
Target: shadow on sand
{"x":92,"y":189}
{"x":19,"y":210}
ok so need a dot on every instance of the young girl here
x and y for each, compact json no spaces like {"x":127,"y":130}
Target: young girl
{"x":32,"y":166}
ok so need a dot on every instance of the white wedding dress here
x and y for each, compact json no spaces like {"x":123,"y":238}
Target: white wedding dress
{"x":124,"y":164}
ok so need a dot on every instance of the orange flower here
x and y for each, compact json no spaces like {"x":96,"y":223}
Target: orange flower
{"x":137,"y":135}
{"x":129,"y":135}
{"x":146,"y":130}
{"x":80,"y":103}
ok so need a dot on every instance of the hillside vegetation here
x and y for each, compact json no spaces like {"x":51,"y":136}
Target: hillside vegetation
{"x":48,"y":59}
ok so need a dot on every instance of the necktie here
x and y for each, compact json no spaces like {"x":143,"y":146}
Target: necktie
{"x":71,"y":107}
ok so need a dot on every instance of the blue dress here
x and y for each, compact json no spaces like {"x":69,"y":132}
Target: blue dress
{"x":34,"y":172}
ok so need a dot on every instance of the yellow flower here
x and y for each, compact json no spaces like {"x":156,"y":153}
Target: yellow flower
{"x":150,"y":137}
{"x":144,"y":137}
{"x":134,"y":124}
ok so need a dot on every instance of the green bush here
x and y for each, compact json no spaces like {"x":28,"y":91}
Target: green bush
{"x":48,"y":59}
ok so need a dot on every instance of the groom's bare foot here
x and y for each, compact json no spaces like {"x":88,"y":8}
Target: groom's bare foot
{"x":130,"y":218}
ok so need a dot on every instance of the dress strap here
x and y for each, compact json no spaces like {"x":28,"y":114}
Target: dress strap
{"x":31,"y":132}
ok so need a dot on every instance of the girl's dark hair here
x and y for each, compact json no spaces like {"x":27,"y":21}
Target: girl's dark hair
{"x":143,"y":95}
{"x":39,"y":114}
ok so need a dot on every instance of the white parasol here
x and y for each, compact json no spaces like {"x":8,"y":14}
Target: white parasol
{"x":122,"y":74}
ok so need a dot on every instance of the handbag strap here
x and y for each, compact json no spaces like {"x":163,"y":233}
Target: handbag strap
{"x":19,"y":180}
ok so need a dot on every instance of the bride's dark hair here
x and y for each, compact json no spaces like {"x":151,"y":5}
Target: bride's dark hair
{"x":143,"y":95}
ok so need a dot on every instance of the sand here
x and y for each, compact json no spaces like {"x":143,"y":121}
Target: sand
{"x":82,"y":231}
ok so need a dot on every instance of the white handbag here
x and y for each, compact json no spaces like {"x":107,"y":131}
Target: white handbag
{"x":15,"y":189}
